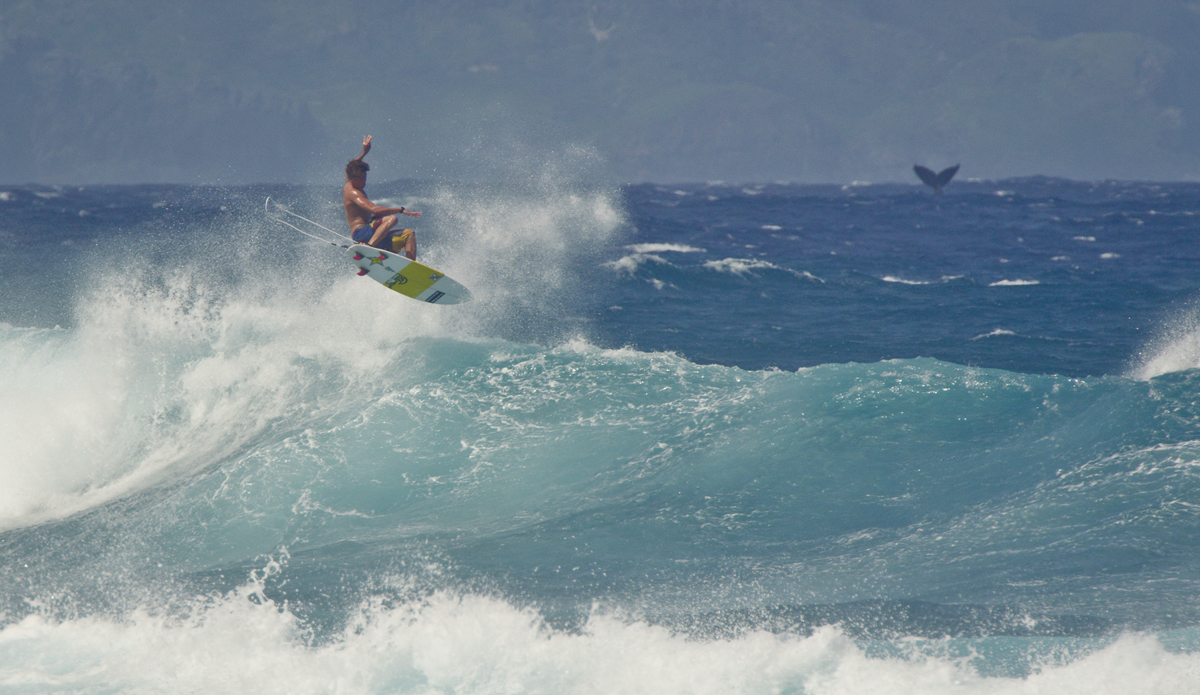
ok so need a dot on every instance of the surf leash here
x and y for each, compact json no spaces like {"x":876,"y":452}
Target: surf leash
{"x":284,"y":222}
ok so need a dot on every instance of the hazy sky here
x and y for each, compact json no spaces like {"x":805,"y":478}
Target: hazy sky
{"x":758,"y":90}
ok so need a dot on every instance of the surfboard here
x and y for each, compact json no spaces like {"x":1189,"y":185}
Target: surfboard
{"x":406,"y":277}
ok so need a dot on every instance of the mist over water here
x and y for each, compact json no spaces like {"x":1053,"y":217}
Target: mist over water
{"x":647,"y":455}
{"x":220,"y":320}
{"x":1176,"y":348}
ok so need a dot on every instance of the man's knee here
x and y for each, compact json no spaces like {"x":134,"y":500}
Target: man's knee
{"x":403,"y":238}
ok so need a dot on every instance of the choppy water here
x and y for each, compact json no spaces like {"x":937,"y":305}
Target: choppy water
{"x":696,"y":439}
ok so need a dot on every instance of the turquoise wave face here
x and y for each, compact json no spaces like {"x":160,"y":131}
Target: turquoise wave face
{"x":576,"y":474}
{"x":219,"y":452}
{"x":440,"y":502}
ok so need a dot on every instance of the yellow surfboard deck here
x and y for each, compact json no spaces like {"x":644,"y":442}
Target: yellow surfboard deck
{"x":409,"y":278}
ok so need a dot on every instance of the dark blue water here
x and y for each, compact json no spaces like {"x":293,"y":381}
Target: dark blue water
{"x":701,"y":438}
{"x":1036,"y":275}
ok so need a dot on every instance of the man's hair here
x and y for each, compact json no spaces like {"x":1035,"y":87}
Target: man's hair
{"x":356,"y":168}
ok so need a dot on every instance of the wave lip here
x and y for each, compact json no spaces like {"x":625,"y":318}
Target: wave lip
{"x":996,"y":333}
{"x":918,"y":283}
{"x":748,"y":266}
{"x":902,"y":281}
{"x":648,"y":253}
{"x":1175,"y":348}
{"x":663,"y":248}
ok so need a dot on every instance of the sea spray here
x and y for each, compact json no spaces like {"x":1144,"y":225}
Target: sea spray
{"x":244,"y":468}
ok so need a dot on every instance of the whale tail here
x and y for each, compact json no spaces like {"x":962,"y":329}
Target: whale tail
{"x":935,"y":180}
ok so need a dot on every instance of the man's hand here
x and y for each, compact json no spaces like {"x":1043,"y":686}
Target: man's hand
{"x":366,"y":147}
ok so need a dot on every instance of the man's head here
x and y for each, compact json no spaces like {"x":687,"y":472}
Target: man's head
{"x":356,"y":170}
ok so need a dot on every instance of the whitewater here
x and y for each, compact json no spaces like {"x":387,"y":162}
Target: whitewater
{"x":703,"y":438}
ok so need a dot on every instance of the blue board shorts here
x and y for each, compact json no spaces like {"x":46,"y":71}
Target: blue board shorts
{"x":363,"y":234}
{"x":392,"y":242}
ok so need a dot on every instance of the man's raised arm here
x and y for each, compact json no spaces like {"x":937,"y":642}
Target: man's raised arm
{"x":366,"y":148}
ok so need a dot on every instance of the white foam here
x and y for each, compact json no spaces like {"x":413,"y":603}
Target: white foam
{"x":648,"y":253}
{"x":994,"y":334}
{"x":906,"y":281}
{"x":663,"y":248}
{"x":1175,"y":347}
{"x":446,"y":643}
{"x":1014,"y":283}
{"x":165,"y":376}
{"x":172,"y":369}
{"x":514,"y":249}
{"x":747,"y":266}
{"x":630,"y":264}
{"x":62,"y":398}
{"x":902,"y":281}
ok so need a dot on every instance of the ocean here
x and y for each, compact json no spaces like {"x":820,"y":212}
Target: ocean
{"x":705,"y":438}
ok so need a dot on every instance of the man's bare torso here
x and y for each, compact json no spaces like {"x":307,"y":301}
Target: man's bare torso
{"x":356,"y":215}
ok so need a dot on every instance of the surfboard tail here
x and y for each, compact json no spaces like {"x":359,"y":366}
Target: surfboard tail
{"x":409,"y":278}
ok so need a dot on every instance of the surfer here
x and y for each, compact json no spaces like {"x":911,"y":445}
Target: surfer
{"x":372,"y":224}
